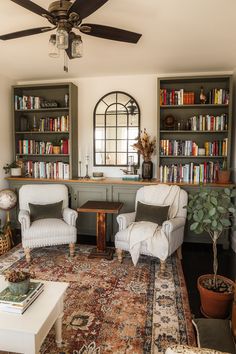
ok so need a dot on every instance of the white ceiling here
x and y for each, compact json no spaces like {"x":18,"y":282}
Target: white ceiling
{"x":177,"y":36}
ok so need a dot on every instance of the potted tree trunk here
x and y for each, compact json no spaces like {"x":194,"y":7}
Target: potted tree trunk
{"x":211,"y":211}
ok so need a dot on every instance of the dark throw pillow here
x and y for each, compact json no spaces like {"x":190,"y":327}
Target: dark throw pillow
{"x":154,"y":213}
{"x":46,"y":211}
{"x":214,"y":334}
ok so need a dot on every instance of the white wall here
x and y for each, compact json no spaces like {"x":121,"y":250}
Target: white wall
{"x":141,"y":87}
{"x":5,"y":130}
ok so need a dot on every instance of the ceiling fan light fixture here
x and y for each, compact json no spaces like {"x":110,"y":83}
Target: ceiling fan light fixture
{"x":53,"y":51}
{"x":77,"y":47}
{"x":62,"y":38}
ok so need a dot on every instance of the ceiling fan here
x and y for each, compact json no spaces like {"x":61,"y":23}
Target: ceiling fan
{"x":65,"y":16}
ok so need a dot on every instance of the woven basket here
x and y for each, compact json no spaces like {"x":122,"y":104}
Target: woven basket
{"x":5,"y":243}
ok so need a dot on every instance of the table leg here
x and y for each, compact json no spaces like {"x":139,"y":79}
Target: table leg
{"x":58,"y":330}
{"x":101,"y":251}
{"x":101,"y":232}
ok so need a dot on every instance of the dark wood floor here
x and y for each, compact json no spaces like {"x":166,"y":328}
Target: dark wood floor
{"x":198,"y":260}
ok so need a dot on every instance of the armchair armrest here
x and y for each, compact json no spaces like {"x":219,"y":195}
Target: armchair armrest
{"x":24,"y":219}
{"x":69,"y":216}
{"x":124,"y":220}
{"x":173,"y":225}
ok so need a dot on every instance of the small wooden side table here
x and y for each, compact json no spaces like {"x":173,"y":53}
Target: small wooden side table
{"x":102,"y":208}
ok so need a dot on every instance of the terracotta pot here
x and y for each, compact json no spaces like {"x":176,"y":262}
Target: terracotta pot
{"x":223,"y":176}
{"x":214,"y":304}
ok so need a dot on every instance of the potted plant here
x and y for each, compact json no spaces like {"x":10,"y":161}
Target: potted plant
{"x":211,"y":211}
{"x":18,"y":281}
{"x":146,"y":147}
{"x":13,"y":168}
{"x":224,"y":173}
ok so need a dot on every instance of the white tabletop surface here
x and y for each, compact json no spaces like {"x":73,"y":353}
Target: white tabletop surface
{"x":31,"y":320}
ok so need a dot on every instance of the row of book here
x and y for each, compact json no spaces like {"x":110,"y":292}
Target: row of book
{"x":176,"y":97}
{"x":19,"y":303}
{"x":27,"y":102}
{"x":49,"y":170}
{"x":181,"y":97}
{"x":218,"y":96}
{"x":208,"y":123}
{"x":190,"y":148}
{"x":206,"y":172}
{"x":26,"y":147}
{"x":216,"y":148}
{"x":56,"y":124}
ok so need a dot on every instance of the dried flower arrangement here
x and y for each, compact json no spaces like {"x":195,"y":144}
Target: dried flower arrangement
{"x":16,"y":276}
{"x":145,"y":145}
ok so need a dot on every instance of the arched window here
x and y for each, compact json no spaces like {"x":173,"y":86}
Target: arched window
{"x":116,"y":126}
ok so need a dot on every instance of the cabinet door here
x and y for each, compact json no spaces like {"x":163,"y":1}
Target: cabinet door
{"x":86,"y":222}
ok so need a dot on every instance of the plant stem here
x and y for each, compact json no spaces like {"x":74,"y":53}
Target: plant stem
{"x":215,"y":262}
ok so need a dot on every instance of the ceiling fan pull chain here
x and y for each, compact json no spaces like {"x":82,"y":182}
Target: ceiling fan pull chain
{"x":65,"y":62}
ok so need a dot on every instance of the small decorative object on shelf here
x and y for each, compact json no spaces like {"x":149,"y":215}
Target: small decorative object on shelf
{"x":13,"y":168}
{"x":224,"y":173}
{"x":146,"y":147}
{"x":169,"y":122}
{"x":18,"y":281}
{"x":202,"y":97}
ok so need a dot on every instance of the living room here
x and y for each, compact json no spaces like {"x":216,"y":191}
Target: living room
{"x":184,"y":47}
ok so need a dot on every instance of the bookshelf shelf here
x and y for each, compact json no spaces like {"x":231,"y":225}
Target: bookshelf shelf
{"x":194,"y":106}
{"x":37,"y":130}
{"x":38,"y":133}
{"x":194,"y":131}
{"x":193,"y":157}
{"x":44,"y":155}
{"x":55,"y":109}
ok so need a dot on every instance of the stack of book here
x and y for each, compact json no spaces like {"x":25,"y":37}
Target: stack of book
{"x":19,"y":303}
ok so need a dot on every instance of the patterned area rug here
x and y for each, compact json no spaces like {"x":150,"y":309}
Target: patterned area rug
{"x":111,"y":307}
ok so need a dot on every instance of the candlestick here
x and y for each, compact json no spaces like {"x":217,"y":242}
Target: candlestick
{"x":80,"y":173}
{"x":87,"y":161}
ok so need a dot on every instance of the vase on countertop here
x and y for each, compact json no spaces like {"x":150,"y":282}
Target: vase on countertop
{"x":147,"y":170}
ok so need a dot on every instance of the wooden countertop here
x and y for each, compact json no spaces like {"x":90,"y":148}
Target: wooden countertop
{"x":112,"y":180}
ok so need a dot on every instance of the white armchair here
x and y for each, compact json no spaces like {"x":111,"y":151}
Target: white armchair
{"x":48,"y":231}
{"x":173,"y":229}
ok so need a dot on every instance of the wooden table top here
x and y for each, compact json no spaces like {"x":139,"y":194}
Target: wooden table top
{"x":97,"y":206}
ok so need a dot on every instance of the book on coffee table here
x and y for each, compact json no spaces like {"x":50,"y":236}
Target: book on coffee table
{"x":19,"y":303}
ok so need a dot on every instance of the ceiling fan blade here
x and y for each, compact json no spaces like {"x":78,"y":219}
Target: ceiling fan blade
{"x":107,"y":32}
{"x":86,"y":7}
{"x":25,"y":33}
{"x":31,"y":6}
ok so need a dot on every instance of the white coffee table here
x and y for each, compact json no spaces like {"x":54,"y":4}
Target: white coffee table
{"x":25,"y":333}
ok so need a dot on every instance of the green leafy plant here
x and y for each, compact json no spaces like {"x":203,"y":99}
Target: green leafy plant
{"x":212,"y":211}
{"x":8,"y":166}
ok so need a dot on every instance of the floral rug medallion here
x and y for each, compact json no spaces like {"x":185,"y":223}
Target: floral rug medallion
{"x":111,"y":307}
